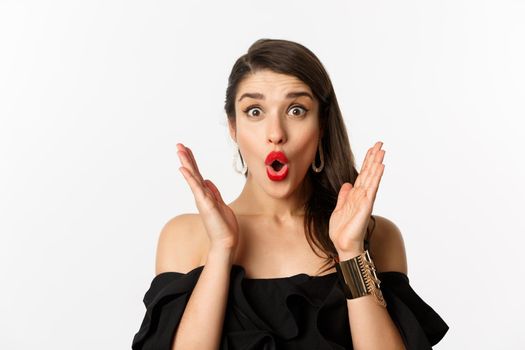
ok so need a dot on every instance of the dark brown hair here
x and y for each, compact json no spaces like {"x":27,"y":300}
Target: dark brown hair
{"x":288,"y":57}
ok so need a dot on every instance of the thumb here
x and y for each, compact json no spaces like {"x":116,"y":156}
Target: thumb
{"x":343,"y":194}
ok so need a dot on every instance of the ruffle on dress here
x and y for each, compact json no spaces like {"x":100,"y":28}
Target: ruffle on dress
{"x":297,"y":312}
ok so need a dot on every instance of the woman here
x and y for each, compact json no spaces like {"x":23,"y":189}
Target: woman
{"x":297,"y":260}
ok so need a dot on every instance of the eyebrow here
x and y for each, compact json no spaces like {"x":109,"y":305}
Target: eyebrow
{"x":259,"y":96}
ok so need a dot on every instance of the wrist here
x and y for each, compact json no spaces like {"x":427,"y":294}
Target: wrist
{"x":358,"y":278}
{"x":355,"y":250}
{"x":221,"y":255}
{"x":347,"y":255}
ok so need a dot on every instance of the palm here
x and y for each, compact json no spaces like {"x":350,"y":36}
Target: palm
{"x":349,"y":219}
{"x":218,"y":218}
{"x":221,"y":216}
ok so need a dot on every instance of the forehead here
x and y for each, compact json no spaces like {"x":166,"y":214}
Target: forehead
{"x":271,"y":84}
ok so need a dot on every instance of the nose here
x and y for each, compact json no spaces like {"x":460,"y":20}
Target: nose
{"x":276,"y":131}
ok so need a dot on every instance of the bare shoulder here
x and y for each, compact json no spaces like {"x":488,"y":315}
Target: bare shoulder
{"x":181,"y":244}
{"x":387,"y":246}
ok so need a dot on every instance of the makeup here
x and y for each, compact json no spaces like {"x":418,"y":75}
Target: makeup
{"x":276,"y":166}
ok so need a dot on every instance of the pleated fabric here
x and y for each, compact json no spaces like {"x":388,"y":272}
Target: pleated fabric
{"x":297,"y":312}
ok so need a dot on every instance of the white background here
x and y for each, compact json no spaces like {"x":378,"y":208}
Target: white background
{"x":95,"y":95}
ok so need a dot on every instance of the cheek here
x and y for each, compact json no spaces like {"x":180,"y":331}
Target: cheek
{"x":249,"y":142}
{"x":308,"y":146}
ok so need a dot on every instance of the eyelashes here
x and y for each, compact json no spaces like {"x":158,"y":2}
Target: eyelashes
{"x":248,"y":109}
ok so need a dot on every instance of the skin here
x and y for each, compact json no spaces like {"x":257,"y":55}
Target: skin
{"x":264,"y":123}
{"x":272,"y":121}
{"x":262,"y":229}
{"x":275,"y":122}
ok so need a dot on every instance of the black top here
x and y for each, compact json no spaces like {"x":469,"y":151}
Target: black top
{"x":296,"y":312}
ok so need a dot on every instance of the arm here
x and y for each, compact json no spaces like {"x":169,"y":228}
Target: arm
{"x":179,"y":249}
{"x":370,"y":324}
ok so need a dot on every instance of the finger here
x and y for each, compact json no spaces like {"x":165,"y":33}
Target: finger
{"x":188,"y":164}
{"x":370,"y":158}
{"x":343,"y":194}
{"x":195,"y":185}
{"x":214,"y":190}
{"x":378,"y":159}
{"x":367,"y":157}
{"x":372,"y":181}
{"x":192,"y":158}
{"x":372,"y":168}
{"x":371,"y":154}
{"x":371,"y":176}
{"x":185,"y":161}
{"x":374,"y":184}
{"x":191,"y":164}
{"x":184,"y":156}
{"x":364,"y":168}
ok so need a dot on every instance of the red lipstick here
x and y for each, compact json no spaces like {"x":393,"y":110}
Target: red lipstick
{"x":276,"y":165}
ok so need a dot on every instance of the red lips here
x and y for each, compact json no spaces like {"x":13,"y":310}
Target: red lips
{"x":276,"y":175}
{"x":276,"y":155}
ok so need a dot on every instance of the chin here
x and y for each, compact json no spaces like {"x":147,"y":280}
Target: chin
{"x":280,"y":189}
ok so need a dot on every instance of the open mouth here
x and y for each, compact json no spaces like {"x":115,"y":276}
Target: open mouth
{"x":276,"y":165}
{"x":277,"y":171}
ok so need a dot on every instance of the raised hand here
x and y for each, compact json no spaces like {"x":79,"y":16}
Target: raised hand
{"x":349,"y":220}
{"x":219,"y":220}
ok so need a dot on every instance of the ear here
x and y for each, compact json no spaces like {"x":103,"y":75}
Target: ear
{"x":232,"y":129}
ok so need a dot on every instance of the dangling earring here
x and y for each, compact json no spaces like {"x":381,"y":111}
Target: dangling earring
{"x":236,"y":155}
{"x":321,"y":156}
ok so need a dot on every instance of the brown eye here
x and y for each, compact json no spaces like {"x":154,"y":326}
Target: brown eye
{"x":298,"y":111}
{"x":253,"y":111}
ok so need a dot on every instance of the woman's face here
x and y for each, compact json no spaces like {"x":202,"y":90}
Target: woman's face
{"x":276,"y":112}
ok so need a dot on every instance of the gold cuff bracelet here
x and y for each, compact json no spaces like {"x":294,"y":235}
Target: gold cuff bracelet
{"x":358,"y":277}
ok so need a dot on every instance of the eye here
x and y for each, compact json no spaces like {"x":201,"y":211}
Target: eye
{"x":256,"y":111}
{"x":296,"y":111}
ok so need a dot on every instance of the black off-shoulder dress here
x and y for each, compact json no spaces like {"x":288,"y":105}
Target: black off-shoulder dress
{"x":296,"y":312}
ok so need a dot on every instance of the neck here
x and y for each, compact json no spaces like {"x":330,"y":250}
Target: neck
{"x":256,"y":202}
